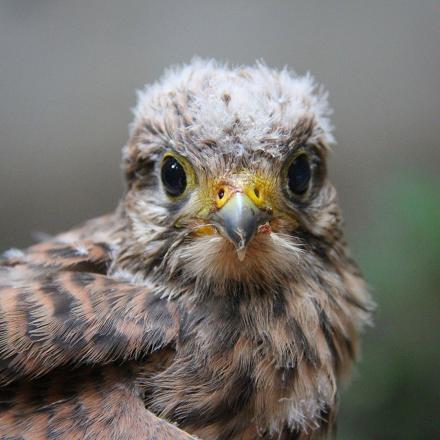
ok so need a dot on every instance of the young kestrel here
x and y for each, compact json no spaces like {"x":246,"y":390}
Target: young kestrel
{"x":219,"y":300}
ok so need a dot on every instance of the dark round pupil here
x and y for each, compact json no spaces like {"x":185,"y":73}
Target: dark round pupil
{"x":299,"y":175}
{"x":173,"y":176}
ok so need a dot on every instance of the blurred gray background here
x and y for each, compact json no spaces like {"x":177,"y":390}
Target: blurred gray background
{"x":68,"y":75}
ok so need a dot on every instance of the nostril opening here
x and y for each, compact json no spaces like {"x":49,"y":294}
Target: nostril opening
{"x":221,"y":193}
{"x":257,"y":192}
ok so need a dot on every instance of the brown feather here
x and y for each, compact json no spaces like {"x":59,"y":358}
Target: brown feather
{"x":134,"y":321}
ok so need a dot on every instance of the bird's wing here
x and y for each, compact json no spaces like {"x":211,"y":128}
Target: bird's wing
{"x":57,"y":307}
{"x":62,"y":324}
{"x":88,"y":403}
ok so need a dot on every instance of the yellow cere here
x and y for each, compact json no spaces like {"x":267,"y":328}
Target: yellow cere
{"x":205,"y":230}
{"x":213,"y":193}
{"x":258,"y":188}
{"x":224,"y":193}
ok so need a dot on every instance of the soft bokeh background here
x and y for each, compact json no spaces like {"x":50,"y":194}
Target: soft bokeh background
{"x":68,"y":75}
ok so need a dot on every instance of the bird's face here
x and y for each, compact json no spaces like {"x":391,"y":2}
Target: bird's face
{"x":238,"y":200}
{"x":233,"y":208}
{"x":216,"y":196}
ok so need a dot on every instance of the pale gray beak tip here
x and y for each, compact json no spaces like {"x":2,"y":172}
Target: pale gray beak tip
{"x":239,"y":220}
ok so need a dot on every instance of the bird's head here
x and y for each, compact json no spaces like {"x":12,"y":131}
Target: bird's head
{"x":226,"y":174}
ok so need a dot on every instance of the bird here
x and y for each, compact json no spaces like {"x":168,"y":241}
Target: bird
{"x":218,"y":301}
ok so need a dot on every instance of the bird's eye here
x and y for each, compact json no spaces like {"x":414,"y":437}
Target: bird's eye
{"x":173,"y":176}
{"x":299,"y":174}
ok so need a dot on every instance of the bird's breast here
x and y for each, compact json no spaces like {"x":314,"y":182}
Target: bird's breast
{"x":232,"y":373}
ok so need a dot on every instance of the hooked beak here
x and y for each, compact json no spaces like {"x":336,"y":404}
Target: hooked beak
{"x":238,"y":220}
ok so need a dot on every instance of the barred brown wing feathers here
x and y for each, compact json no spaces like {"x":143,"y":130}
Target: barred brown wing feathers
{"x":62,"y":323}
{"x":53,"y":313}
{"x":87,"y":404}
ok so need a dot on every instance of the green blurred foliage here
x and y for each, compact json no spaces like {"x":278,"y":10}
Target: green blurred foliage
{"x":395,"y":390}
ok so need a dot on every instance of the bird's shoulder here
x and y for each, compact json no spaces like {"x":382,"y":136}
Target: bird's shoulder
{"x":60,"y":306}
